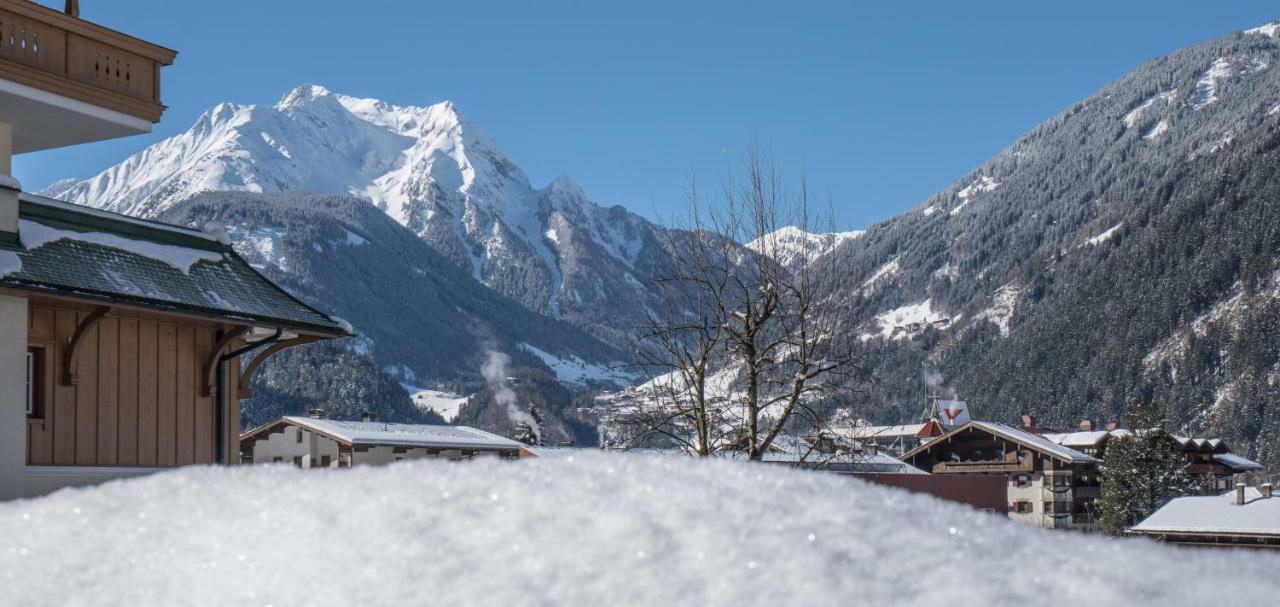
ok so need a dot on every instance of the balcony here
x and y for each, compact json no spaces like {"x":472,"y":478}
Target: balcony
{"x":984,"y":466}
{"x":64,"y":80}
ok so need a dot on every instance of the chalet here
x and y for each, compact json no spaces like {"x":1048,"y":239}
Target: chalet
{"x":314,"y":442}
{"x":1207,"y":458}
{"x":120,"y":339}
{"x":898,"y":439}
{"x":1048,"y":484}
{"x":1242,"y":518}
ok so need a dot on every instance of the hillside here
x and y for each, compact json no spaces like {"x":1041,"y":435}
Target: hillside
{"x":1128,"y":246}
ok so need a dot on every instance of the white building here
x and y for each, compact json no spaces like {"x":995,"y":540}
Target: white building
{"x":309,"y":442}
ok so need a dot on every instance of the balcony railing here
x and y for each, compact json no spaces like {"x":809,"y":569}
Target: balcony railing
{"x":49,"y":50}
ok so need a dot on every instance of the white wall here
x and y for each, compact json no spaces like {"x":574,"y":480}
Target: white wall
{"x":13,"y":396}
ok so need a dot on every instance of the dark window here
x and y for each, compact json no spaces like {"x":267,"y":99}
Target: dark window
{"x":325,"y":460}
{"x":1023,"y":481}
{"x":1022,"y":507}
{"x":299,"y":435}
{"x":37,"y":368}
{"x":277,"y":459}
{"x":297,"y":461}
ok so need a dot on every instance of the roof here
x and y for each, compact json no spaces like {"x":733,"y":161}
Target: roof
{"x":401,"y":435}
{"x":1078,"y":439}
{"x":1216,"y":514}
{"x":899,"y":431}
{"x":1022,"y":437}
{"x":1236,"y":463}
{"x":90,"y":254}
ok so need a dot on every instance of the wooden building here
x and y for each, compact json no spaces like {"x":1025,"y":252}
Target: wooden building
{"x":1245,"y":517}
{"x":313,"y":442}
{"x":1210,"y":459}
{"x":120,"y":339}
{"x":1047,"y":484}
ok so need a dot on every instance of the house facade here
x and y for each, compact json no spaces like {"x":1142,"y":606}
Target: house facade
{"x":1048,"y":485}
{"x":314,"y":442}
{"x":1208,"y":459}
{"x":120,"y":339}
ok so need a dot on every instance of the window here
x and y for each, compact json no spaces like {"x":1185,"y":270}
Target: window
{"x":1022,"y":480}
{"x":1022,"y":507}
{"x":277,"y":459}
{"x":37,"y":371}
{"x":297,"y":461}
{"x":325,"y":461}
{"x":344,"y":459}
{"x":299,"y":436}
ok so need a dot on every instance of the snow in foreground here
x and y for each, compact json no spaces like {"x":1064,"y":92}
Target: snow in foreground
{"x":588,"y":530}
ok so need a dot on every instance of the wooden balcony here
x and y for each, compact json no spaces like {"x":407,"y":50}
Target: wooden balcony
{"x":54,"y":52}
{"x":984,"y":467}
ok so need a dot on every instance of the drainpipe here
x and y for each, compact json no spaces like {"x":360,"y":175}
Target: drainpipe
{"x":221,"y":391}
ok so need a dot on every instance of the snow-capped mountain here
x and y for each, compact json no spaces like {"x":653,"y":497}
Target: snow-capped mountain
{"x":428,"y":168}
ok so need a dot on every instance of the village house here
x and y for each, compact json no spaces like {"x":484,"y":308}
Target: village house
{"x":120,"y":339}
{"x":1047,"y":484}
{"x":315,"y":442}
{"x":1209,"y":459}
{"x":1245,"y":517}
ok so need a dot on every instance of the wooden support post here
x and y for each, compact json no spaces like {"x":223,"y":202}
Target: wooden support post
{"x":69,"y":355}
{"x":211,"y":363}
{"x":247,"y":376}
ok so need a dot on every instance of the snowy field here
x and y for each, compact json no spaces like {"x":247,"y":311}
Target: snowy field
{"x":588,"y":530}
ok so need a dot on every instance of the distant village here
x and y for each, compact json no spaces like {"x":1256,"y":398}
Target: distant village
{"x":126,"y":346}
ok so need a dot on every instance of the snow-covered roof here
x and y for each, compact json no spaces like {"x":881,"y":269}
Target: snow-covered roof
{"x":1078,"y":439}
{"x":901,"y":430}
{"x":1033,"y":441}
{"x":1236,"y":463}
{"x":96,"y":255}
{"x":403,"y":435}
{"x":1216,"y":514}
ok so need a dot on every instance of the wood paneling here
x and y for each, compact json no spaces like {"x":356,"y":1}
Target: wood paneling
{"x":137,"y":400}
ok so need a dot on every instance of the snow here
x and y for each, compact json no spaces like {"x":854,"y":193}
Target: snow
{"x":1235,"y":462}
{"x":1003,"y":304}
{"x":1271,"y":30}
{"x":986,"y":183}
{"x":1132,"y":118}
{"x":930,"y":210}
{"x":261,"y":243}
{"x":408,"y":435}
{"x":574,"y":370}
{"x":552,"y":236}
{"x":1078,"y":439}
{"x":792,"y":246}
{"x":1216,"y":514}
{"x":35,"y":235}
{"x":1106,"y":235}
{"x":353,"y":239}
{"x":1207,"y":87}
{"x":908,"y":320}
{"x":445,"y":404}
{"x":1159,"y":129}
{"x":344,"y":325}
{"x":585,"y":529}
{"x":10,"y":263}
{"x":887,"y":270}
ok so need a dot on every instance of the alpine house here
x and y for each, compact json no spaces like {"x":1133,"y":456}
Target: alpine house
{"x":120,"y":339}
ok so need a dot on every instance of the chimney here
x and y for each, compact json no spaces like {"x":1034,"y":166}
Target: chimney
{"x":1028,"y":422}
{"x":1086,"y":425}
{"x":368,"y":416}
{"x":1239,"y":494}
{"x":1266,"y":490}
{"x":315,"y":413}
{"x":1113,"y":426}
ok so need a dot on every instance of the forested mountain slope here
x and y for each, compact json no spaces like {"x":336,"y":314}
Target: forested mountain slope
{"x":1126,"y":247}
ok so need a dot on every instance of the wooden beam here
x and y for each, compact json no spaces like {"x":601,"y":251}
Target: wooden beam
{"x":69,"y":377}
{"x":211,"y":362}
{"x":247,"y":376}
{"x":73,"y":8}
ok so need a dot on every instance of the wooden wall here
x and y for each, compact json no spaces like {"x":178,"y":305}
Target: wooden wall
{"x":137,"y":402}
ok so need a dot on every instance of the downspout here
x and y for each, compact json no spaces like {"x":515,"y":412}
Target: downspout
{"x":221,"y":390}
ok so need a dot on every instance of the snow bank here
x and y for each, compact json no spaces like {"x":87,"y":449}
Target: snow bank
{"x":586,"y":530}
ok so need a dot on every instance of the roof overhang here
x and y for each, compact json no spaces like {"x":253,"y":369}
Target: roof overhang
{"x":43,"y":120}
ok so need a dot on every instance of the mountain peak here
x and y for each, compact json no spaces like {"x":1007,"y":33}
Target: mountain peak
{"x":302,"y":94}
{"x":1271,"y":30}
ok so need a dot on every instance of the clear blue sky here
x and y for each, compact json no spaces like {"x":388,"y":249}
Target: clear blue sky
{"x":882,"y":104}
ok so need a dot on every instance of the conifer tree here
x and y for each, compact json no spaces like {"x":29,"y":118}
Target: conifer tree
{"x":1142,"y":470}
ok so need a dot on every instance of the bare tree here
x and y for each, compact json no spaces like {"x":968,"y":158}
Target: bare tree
{"x":751,"y":330}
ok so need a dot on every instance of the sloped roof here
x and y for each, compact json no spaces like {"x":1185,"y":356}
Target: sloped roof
{"x":1216,"y":514}
{"x":403,"y":435}
{"x":90,"y":254}
{"x":1236,"y":463}
{"x":1078,"y":439}
{"x":1032,"y":441}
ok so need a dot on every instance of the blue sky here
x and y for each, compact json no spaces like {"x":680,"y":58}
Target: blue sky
{"x":882,"y":104}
